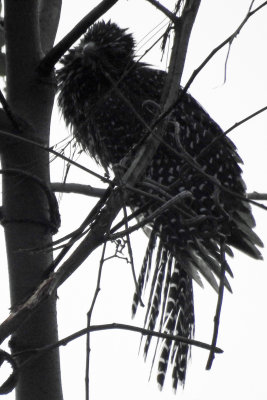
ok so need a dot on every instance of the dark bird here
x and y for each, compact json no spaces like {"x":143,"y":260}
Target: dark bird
{"x":109,"y":99}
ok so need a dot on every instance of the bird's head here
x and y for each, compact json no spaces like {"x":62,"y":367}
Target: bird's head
{"x":107,"y":45}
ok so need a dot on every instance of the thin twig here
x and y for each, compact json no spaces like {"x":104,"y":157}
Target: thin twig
{"x":78,"y":233}
{"x":221,"y":45}
{"x":219,"y":306}
{"x":179,"y":197}
{"x":88,"y":190}
{"x":38,"y":352}
{"x":245,"y":119}
{"x":223,"y":134}
{"x":130,"y":252}
{"x":89,"y":317}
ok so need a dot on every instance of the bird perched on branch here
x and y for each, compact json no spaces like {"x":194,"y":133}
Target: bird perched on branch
{"x":110,"y":100}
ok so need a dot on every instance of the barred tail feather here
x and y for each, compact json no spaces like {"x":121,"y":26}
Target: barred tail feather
{"x":170,"y":309}
{"x":145,"y":271}
{"x":154,"y":301}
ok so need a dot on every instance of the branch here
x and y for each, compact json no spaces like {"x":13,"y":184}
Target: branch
{"x":77,"y":188}
{"x":89,"y":317}
{"x":182,"y":32}
{"x":164,"y":10}
{"x":176,"y":199}
{"x":219,"y":306}
{"x":207,"y":59}
{"x":169,"y":94}
{"x":223,"y":134}
{"x":257,"y":196}
{"x":254,"y":114}
{"x":81,"y":231}
{"x":96,"y":328}
{"x":130,"y":252}
{"x":220,"y":46}
{"x":48,"y":62}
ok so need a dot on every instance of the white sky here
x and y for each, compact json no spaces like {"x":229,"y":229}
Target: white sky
{"x":116,"y":369}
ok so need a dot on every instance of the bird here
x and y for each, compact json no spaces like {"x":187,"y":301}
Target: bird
{"x":110,"y":100}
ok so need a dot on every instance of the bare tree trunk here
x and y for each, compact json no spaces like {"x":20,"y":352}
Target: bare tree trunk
{"x":26,"y":214}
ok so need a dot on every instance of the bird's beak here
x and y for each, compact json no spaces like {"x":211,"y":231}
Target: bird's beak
{"x":89,"y":53}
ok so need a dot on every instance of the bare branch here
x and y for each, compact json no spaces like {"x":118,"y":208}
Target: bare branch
{"x":130,"y":252}
{"x":176,"y":199}
{"x":77,"y":188}
{"x":93,"y":239}
{"x":219,"y":306}
{"x":78,"y":233}
{"x":206,"y":60}
{"x":182,"y":32}
{"x":49,"y":61}
{"x":96,"y":328}
{"x":245,"y":119}
{"x":89,"y":317}
{"x":223,"y":134}
{"x":257,"y":196}
{"x":164,"y":10}
{"x":220,"y":46}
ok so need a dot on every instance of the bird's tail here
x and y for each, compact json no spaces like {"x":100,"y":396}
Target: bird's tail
{"x":170,"y":309}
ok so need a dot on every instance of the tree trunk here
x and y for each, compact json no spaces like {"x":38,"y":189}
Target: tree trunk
{"x":26,"y":213}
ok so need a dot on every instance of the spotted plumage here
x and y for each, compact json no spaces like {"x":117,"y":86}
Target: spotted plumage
{"x":110,"y":100}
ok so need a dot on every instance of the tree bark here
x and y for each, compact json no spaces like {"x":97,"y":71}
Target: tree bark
{"x":26,"y":214}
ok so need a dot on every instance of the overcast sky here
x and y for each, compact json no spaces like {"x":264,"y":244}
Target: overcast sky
{"x":116,"y":369}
